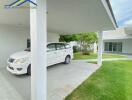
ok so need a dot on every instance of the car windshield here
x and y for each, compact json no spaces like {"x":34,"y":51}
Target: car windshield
{"x":28,"y":49}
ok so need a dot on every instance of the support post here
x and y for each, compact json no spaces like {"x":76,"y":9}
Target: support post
{"x":38,"y":32}
{"x":100,"y":48}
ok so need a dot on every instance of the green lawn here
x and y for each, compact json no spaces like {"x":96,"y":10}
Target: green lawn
{"x":79,"y":56}
{"x":113,"y":81}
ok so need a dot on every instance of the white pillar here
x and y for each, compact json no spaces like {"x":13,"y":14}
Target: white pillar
{"x":100,"y":48}
{"x":38,"y":31}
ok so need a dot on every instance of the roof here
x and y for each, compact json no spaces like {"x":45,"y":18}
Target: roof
{"x":119,"y":33}
{"x":64,"y":16}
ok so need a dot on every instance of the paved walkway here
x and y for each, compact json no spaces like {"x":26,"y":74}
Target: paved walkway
{"x":7,"y":91}
{"x":108,"y":59}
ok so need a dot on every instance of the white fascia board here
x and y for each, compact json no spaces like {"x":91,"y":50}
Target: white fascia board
{"x":105,"y":3}
{"x":123,"y":38}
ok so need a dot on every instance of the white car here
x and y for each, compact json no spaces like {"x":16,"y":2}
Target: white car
{"x":20,"y":62}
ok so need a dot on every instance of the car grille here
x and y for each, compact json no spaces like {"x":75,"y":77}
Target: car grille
{"x":11,"y":60}
{"x":11,"y":68}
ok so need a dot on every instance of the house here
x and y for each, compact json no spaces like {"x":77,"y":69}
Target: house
{"x":118,"y":41}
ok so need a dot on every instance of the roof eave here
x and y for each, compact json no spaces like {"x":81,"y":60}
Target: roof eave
{"x":110,"y":12}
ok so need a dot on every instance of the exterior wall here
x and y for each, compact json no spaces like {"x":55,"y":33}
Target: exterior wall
{"x":12,"y":39}
{"x":53,"y":37}
{"x":119,"y":33}
{"x":126,"y":45}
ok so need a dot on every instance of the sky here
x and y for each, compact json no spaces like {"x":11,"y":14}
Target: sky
{"x":122,"y":10}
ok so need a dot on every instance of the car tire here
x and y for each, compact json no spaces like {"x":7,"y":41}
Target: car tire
{"x":29,"y":70}
{"x":67,"y":60}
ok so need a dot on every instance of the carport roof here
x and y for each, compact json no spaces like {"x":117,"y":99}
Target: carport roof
{"x":15,"y":17}
{"x":65,"y":16}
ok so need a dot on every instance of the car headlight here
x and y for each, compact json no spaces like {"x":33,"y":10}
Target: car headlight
{"x":20,"y":61}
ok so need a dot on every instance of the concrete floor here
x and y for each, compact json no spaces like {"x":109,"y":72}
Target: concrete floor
{"x":62,"y":80}
{"x":20,"y":86}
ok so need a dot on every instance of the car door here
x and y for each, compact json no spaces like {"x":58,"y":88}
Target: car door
{"x":60,"y":52}
{"x":51,"y":54}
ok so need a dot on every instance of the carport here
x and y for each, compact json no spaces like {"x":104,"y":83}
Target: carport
{"x":62,"y":17}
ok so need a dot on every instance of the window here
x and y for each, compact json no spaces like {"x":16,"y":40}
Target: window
{"x":106,"y":46}
{"x":110,"y":46}
{"x":119,"y":46}
{"x":28,"y":43}
{"x":67,"y":46}
{"x":60,"y":46}
{"x":51,"y":47}
{"x":113,"y":47}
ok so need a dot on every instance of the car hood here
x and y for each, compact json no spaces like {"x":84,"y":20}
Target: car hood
{"x":20,"y":55}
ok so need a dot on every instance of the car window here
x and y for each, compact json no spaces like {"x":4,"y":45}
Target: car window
{"x":60,"y":46}
{"x":67,"y":46}
{"x":51,"y":47}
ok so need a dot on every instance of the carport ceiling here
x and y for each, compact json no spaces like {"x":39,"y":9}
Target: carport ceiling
{"x":64,"y":16}
{"x":17,"y":17}
{"x":75,"y":16}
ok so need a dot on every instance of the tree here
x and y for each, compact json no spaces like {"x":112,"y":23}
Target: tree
{"x":85,"y":39}
{"x":68,"y":38}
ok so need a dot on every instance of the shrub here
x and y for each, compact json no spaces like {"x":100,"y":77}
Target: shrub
{"x":86,"y":52}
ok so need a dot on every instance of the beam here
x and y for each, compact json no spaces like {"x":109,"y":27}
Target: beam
{"x":100,"y":48}
{"x":38,"y":32}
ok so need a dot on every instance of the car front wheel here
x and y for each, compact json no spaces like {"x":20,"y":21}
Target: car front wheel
{"x":67,"y":60}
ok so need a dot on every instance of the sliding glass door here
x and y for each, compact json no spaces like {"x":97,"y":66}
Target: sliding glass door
{"x":113,"y":47}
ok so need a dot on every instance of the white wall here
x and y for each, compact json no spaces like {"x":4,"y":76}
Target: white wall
{"x":126,"y":45}
{"x":119,"y":33}
{"x":12,"y":39}
{"x":53,"y":37}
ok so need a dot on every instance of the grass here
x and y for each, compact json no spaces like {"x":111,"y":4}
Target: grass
{"x":113,"y":81}
{"x":79,"y":56}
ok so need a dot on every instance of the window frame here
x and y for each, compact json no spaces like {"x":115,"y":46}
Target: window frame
{"x":51,"y":44}
{"x":60,"y":44}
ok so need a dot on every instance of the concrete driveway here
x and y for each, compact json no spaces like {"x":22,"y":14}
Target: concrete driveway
{"x":62,"y":80}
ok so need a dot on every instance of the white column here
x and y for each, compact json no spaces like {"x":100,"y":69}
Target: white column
{"x":38,"y":31}
{"x":100,"y":48}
